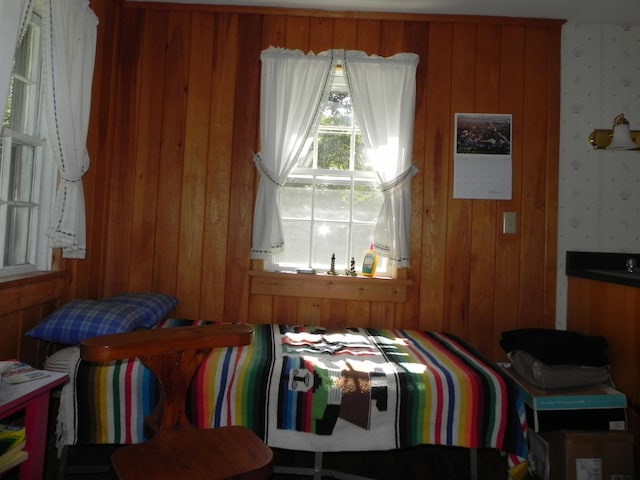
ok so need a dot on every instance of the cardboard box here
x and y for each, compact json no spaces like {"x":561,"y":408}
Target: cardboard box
{"x":589,"y":455}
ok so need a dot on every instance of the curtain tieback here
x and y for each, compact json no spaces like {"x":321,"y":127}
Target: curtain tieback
{"x":399,"y":180}
{"x":265,"y":173}
{"x":71,"y":180}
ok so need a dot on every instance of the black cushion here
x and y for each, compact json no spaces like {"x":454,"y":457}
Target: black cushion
{"x":557,"y":347}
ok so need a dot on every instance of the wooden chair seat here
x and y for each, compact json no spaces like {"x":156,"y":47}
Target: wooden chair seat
{"x":219,"y":453}
{"x":177,"y":449}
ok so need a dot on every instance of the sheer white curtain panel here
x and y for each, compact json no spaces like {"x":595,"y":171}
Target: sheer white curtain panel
{"x":14,"y":15}
{"x":70,"y":31}
{"x":383,"y":92}
{"x":291,"y":88}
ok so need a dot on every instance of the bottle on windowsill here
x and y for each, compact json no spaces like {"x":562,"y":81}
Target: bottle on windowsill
{"x":370,"y":262}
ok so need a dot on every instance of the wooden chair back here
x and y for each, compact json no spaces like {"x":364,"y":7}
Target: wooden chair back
{"x":177,"y":448}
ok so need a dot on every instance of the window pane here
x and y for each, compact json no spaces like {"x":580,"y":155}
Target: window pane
{"x":22,"y":65}
{"x":334,"y":150}
{"x":337,"y":111}
{"x":17,"y":238}
{"x":367,"y":201}
{"x":306,"y":161}
{"x":22,"y":107}
{"x":296,"y":249}
{"x":18,"y":113}
{"x":21,"y":173}
{"x":361,"y":239}
{"x":332,"y":202}
{"x":330,"y":238}
{"x":362,"y":163}
{"x":295,"y":200}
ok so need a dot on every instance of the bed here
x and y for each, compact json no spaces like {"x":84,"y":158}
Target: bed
{"x":318,"y":390}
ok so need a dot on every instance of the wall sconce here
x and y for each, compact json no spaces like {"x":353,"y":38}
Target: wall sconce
{"x":620,"y":138}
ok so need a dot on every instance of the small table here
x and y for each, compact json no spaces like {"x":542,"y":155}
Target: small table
{"x":33,"y":398}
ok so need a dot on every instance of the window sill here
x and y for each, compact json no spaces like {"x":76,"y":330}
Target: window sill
{"x":21,"y":292}
{"x":328,"y":286}
{"x":12,"y":281}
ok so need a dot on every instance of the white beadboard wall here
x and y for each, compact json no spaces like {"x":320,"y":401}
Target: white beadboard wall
{"x":599,"y":191}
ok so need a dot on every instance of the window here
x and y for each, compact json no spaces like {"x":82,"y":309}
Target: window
{"x":331,"y":200}
{"x":319,"y":187}
{"x":26,"y":179}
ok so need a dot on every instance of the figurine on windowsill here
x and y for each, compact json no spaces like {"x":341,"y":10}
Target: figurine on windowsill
{"x":351,"y":272}
{"x":332,"y":270}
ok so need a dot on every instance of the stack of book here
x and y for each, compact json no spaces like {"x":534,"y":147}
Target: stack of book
{"x":12,"y":443}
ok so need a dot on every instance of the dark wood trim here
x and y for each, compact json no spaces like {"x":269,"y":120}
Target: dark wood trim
{"x":350,"y":14}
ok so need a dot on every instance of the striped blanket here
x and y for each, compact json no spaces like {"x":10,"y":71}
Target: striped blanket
{"x":306,"y":388}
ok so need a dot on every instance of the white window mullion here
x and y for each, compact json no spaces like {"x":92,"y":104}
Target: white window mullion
{"x":312,"y":218}
{"x":352,"y":192}
{"x":36,"y":200}
{"x":22,"y":138}
{"x":4,"y":193}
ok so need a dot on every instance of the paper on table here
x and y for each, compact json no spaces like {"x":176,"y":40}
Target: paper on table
{"x":20,"y":372}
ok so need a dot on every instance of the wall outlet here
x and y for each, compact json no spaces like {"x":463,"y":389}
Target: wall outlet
{"x":509,"y":223}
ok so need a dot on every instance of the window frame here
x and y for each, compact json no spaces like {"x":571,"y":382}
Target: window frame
{"x":44,"y":172}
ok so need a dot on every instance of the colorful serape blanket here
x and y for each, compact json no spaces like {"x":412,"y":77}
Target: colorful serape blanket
{"x":315,"y":389}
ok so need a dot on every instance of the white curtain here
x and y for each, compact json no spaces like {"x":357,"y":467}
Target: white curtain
{"x":291,"y":89}
{"x":69,"y":31}
{"x":13,"y":21}
{"x":383,"y":91}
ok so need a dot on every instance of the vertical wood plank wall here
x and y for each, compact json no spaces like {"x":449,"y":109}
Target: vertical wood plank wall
{"x":23,"y":304}
{"x":175,"y":124}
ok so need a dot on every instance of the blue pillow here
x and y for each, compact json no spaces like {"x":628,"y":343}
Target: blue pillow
{"x":154,"y":306}
{"x":80,"y":319}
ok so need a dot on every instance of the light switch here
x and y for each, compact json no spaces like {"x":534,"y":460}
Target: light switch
{"x":509,"y":223}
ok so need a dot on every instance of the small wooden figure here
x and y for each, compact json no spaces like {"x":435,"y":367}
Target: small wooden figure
{"x":332,"y":270}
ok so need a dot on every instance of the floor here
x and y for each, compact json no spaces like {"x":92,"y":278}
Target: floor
{"x":425,"y":462}
{"x":420,"y":463}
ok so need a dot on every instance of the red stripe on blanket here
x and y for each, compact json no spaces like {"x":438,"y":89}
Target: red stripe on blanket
{"x":128,"y":402}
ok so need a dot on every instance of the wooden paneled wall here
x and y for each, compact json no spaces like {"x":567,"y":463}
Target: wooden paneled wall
{"x":175,"y":123}
{"x":24,"y":302}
